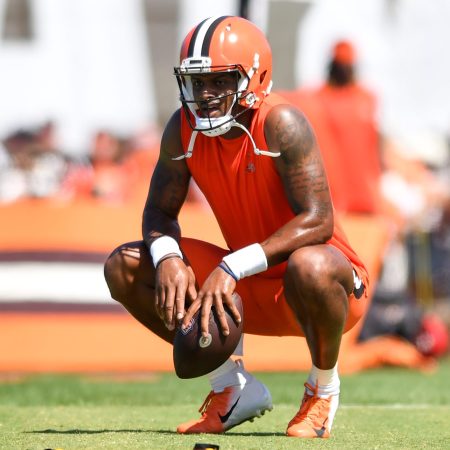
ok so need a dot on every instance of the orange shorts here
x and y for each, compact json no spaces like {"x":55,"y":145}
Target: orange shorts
{"x":266,"y":311}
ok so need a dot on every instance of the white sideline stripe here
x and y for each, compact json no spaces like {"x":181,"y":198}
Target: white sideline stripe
{"x":395,"y":406}
{"x":53,"y":282}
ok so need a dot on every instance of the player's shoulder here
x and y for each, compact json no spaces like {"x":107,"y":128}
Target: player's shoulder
{"x":286,"y":126}
{"x":174,"y":122}
{"x":281,"y":110}
{"x":172,"y":130}
{"x":171,"y":142}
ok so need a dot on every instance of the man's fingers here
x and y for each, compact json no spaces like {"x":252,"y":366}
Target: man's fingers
{"x":191,"y":293}
{"x":220,"y":312}
{"x":180,"y":301}
{"x":169,"y":309}
{"x":193,"y":308}
{"x":168,"y":317}
{"x":159,"y":302}
{"x":234,"y":312}
{"x":204,"y":317}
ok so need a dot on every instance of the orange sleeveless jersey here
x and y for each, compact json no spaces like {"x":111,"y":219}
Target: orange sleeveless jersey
{"x":244,"y":190}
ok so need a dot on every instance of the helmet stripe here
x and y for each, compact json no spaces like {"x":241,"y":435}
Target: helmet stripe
{"x":201,"y":38}
{"x":208,"y":35}
{"x":190,"y":52}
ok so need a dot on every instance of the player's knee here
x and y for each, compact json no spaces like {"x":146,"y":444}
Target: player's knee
{"x":310,"y":268}
{"x":114,"y":269}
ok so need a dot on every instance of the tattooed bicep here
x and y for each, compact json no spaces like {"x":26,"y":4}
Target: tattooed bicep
{"x":289,"y":132}
{"x":300,"y":164}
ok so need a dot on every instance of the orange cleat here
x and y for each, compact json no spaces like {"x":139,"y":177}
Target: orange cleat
{"x":315,"y":417}
{"x":224,"y":410}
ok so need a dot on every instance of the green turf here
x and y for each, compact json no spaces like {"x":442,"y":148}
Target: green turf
{"x":380,"y":409}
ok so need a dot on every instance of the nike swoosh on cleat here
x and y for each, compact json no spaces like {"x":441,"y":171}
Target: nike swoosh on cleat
{"x":320,"y":432}
{"x":225,"y":417}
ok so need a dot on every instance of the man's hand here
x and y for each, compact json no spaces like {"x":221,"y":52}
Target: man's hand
{"x":175,"y":282}
{"x":216,"y":291}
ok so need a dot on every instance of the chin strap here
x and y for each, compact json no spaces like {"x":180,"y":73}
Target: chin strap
{"x":190,"y":149}
{"x":256,"y":150}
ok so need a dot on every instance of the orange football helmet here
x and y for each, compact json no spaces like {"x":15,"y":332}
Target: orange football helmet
{"x":225,"y":44}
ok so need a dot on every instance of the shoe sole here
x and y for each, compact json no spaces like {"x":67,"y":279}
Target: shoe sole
{"x":259,"y":414}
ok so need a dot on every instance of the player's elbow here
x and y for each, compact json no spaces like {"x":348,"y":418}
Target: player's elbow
{"x":327,"y":233}
{"x":324,"y":229}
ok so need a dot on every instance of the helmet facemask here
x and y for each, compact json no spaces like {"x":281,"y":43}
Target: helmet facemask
{"x":226,"y":44}
{"x":200,"y":118}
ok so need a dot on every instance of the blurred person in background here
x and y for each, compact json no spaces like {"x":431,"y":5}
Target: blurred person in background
{"x":16,"y":164}
{"x":116,"y":170}
{"x":31,"y":165}
{"x":50,"y":163}
{"x":107,"y":175}
{"x":343,"y":113}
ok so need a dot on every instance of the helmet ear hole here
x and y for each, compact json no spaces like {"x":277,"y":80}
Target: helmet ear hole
{"x":262,"y":76}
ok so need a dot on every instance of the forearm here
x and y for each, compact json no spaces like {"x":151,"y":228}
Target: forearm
{"x":302,"y":231}
{"x":258,"y":257}
{"x":156,"y":223}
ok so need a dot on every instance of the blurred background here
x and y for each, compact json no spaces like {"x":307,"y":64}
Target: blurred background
{"x":86,"y":87}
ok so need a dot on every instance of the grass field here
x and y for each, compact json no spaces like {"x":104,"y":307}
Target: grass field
{"x":380,"y":409}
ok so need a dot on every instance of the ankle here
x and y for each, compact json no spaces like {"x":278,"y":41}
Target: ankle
{"x":229,"y":374}
{"x":325,"y":381}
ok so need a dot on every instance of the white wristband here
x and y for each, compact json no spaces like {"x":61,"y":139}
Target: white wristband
{"x":247,"y":261}
{"x":163,"y":246}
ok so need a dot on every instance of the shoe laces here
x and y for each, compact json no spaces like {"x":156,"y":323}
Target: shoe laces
{"x":215,"y":401}
{"x":311,"y":407}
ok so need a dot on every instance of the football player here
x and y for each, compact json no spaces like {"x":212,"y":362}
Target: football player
{"x":255,"y":158}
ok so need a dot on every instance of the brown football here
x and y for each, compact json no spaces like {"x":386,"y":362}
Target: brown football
{"x":194,"y":356}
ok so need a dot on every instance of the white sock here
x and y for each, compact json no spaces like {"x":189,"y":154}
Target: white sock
{"x":327,"y":381}
{"x":230,"y":373}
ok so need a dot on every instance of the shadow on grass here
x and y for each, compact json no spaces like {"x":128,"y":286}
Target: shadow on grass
{"x":78,"y":431}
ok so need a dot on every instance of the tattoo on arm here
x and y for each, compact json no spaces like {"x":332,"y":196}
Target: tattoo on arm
{"x":168,"y":190}
{"x":294,"y":135}
{"x":301,"y":165}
